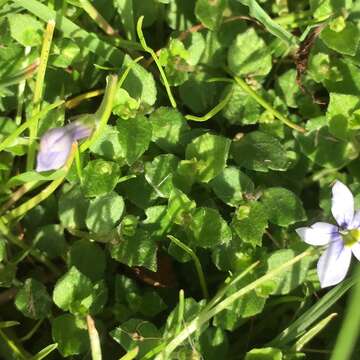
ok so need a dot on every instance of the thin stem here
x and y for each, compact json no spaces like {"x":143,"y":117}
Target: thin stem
{"x":21,"y":89}
{"x":197,"y":263}
{"x":39,"y":90}
{"x":153,"y":55}
{"x":16,"y":241}
{"x":32,"y":331}
{"x":213,"y":111}
{"x":12,"y":137}
{"x":37,"y":199}
{"x":204,"y":317}
{"x":244,"y":86}
{"x":78,"y":165}
{"x":103,"y":113}
{"x":181,"y":310}
{"x":94,"y":339}
{"x":98,"y":18}
{"x":13,"y":346}
{"x":75,"y":101}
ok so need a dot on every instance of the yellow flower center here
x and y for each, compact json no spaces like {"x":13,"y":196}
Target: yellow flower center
{"x":351,"y":237}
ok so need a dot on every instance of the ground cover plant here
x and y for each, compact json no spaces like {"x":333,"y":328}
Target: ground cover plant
{"x":179,"y":179}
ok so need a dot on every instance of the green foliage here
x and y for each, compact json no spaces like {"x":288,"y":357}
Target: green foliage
{"x":104,"y":212}
{"x":71,"y":335}
{"x":260,"y":152}
{"x":250,"y":222}
{"x":134,"y":137}
{"x":210,"y":153}
{"x":100,"y":177}
{"x":156,"y":200}
{"x":25,"y":29}
{"x":76,"y":293}
{"x":249,"y":55}
{"x":284,"y":207}
{"x":33,"y":300}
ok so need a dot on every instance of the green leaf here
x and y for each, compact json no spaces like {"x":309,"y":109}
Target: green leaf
{"x":345,"y":42}
{"x":283,"y":206}
{"x":210,"y":12}
{"x":104,"y":212}
{"x":168,"y":127}
{"x":159,"y":173}
{"x":289,"y":89}
{"x":137,"y":250}
{"x":64,"y":53}
{"x":289,"y":280}
{"x":324,"y":8}
{"x":230,"y":185}
{"x":180,"y":207}
{"x":33,"y":300}
{"x":247,"y":306}
{"x":249,"y":55}
{"x":7,"y":274}
{"x":26,"y":29}
{"x":107,"y":144}
{"x":134,"y":137}
{"x":72,"y":209}
{"x":157,"y":221}
{"x":250,"y":222}
{"x":100,"y":177}
{"x":241,"y":108}
{"x":210,"y":152}
{"x":71,"y":335}
{"x":341,"y":114}
{"x":260,"y":152}
{"x":76,"y":293}
{"x":264,"y":354}
{"x":88,"y":258}
{"x":140,"y":84}
{"x":213,"y":344}
{"x":2,"y":249}
{"x":208,"y":229}
{"x":51,"y":240}
{"x":138,"y":191}
{"x":42,"y":354}
{"x":123,"y":335}
{"x":124,"y":105}
{"x":325,"y":150}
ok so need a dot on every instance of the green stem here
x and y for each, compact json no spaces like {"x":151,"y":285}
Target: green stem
{"x":204,"y":317}
{"x":12,"y":137}
{"x":197,"y":263}
{"x":16,"y":241}
{"x":20,"y":353}
{"x":213,"y":111}
{"x":244,"y":86}
{"x":97,"y":17}
{"x":153,"y":55}
{"x":181,"y":310}
{"x":37,"y":199}
{"x":94,"y":339}
{"x":102,"y":115}
{"x":39,"y":90}
{"x":350,"y":328}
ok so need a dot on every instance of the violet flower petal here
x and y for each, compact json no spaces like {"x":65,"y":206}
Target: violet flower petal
{"x":334,"y":264}
{"x":342,"y":206}
{"x":319,"y":233}
{"x":55,"y":147}
{"x":78,"y":130}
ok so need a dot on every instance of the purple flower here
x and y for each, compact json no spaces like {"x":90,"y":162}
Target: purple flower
{"x":55,"y":145}
{"x":342,"y":240}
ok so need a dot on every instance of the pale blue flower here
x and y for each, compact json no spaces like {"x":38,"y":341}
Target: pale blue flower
{"x":55,"y":145}
{"x":342,"y":241}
